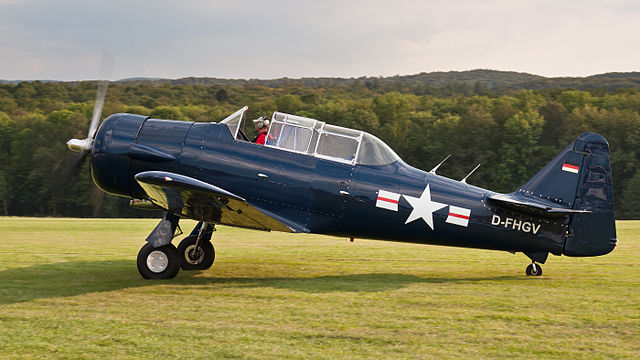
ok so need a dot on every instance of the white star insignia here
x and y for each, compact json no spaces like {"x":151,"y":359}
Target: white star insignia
{"x":423,"y":207}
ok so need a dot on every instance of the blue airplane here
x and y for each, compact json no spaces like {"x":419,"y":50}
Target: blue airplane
{"x":313,"y":177}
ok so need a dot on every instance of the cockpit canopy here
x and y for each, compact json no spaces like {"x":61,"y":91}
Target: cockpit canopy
{"x":316,"y":138}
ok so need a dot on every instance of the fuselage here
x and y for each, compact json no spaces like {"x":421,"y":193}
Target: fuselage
{"x":326,"y":196}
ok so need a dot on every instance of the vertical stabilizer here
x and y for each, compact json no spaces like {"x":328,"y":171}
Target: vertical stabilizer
{"x":579,"y":178}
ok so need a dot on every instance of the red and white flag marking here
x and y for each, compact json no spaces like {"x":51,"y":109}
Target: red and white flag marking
{"x":458,"y":216}
{"x":387,"y":200}
{"x":570,"y":168}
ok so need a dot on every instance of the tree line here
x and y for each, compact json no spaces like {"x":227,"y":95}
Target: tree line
{"x":433,"y":83}
{"x":512,"y":134}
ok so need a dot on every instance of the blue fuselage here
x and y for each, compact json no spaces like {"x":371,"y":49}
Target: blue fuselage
{"x":327,"y":197}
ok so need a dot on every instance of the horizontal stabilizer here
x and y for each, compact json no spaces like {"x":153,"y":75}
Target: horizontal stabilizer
{"x":514,"y":202}
{"x":195,"y":199}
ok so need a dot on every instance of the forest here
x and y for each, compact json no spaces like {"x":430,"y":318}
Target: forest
{"x":511,"y":131}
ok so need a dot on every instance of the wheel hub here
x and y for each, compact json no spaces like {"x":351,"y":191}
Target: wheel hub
{"x":157,"y":261}
{"x":193,"y":256}
{"x":534,"y":270}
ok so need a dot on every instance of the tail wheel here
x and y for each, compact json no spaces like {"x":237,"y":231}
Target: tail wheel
{"x":158,"y":263}
{"x":196,"y":259}
{"x":534,"y":270}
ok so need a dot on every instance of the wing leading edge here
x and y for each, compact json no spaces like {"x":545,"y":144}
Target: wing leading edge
{"x":192,"y":198}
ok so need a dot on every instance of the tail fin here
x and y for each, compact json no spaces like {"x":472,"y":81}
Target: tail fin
{"x":579,"y":178}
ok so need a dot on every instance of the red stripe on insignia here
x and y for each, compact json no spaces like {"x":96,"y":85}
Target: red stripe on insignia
{"x":571,"y":166}
{"x":388,"y":200}
{"x":459,"y":216}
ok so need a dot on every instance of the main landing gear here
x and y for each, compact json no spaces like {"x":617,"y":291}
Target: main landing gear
{"x":195,"y":252}
{"x":534,"y":269}
{"x":158,"y":263}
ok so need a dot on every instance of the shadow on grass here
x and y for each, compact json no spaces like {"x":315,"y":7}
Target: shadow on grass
{"x":83,"y":277}
{"x":375,"y":282}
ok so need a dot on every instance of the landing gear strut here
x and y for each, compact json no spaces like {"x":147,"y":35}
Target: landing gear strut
{"x":534,"y":269}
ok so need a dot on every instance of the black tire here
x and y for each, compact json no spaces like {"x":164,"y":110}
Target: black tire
{"x":158,"y":263}
{"x":207,"y":254}
{"x":531,"y":272}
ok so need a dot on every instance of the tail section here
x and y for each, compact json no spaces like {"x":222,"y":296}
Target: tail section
{"x":579,"y":181}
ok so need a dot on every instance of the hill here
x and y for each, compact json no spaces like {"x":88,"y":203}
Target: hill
{"x":493,"y":80}
{"x":489,"y":79}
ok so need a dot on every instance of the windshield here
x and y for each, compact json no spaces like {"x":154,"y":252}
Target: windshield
{"x":233,"y":121}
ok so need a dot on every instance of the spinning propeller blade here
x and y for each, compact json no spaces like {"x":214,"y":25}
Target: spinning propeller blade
{"x":84,"y":145}
{"x":97,"y":108}
{"x":71,"y":166}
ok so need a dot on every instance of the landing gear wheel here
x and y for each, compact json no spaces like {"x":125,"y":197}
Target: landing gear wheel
{"x":534,"y":270}
{"x":158,"y":263}
{"x":196,"y":259}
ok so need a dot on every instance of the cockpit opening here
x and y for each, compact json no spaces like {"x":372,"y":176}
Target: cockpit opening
{"x":316,"y":138}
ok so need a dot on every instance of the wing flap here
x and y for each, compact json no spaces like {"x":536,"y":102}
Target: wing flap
{"x":202,"y":201}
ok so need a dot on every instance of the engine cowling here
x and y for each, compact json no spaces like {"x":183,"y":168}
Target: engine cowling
{"x":128,"y":144}
{"x":110,"y":160}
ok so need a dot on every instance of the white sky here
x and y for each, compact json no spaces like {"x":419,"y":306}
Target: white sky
{"x":64,"y":39}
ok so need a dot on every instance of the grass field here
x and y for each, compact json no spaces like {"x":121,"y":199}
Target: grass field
{"x":69,"y":288}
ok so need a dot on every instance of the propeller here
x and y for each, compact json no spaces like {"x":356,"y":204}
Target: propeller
{"x":83,"y":146}
{"x":69,"y":168}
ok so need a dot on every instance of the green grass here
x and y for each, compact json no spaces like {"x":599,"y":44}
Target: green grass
{"x":69,"y":288}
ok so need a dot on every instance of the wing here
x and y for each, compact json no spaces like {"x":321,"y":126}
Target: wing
{"x":201,"y":201}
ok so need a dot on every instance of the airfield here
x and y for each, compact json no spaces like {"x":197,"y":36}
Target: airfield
{"x":69,"y":288}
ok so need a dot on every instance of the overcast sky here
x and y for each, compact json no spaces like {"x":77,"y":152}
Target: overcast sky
{"x":64,"y":39}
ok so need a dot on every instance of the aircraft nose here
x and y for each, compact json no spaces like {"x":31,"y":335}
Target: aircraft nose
{"x":110,"y":161}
